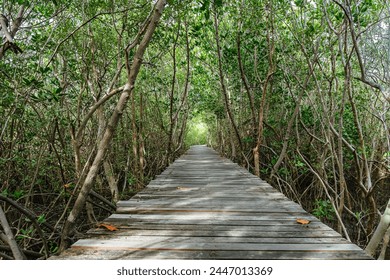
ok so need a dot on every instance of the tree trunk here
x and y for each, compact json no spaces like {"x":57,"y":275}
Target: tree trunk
{"x":380,"y":231}
{"x":112,"y":181}
{"x":141,"y":142}
{"x":386,"y":240}
{"x":340,"y":158}
{"x":223,"y":83}
{"x":112,"y":124}
{"x":172,"y":118}
{"x":270,"y":72}
{"x":287,"y":135}
{"x":183,"y":101}
{"x":134,"y":129}
{"x":246,"y":82}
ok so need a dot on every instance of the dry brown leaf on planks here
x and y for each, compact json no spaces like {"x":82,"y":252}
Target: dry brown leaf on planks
{"x":108,"y":227}
{"x":183,"y":188}
{"x":303,"y":221}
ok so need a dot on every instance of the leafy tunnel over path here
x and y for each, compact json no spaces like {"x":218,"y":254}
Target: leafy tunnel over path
{"x":97,"y":97}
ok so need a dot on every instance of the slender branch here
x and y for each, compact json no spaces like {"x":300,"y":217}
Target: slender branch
{"x":244,"y":77}
{"x":94,"y":108}
{"x":103,"y":199}
{"x":10,"y":237}
{"x":77,"y":29}
{"x":4,"y":28}
{"x":327,"y":194}
{"x":18,"y":21}
{"x":363,"y":78}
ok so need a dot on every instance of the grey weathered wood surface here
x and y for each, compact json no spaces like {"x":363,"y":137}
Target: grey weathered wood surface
{"x":204,"y":206}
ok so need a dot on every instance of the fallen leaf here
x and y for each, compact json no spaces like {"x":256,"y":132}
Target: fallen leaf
{"x":183,"y":188}
{"x":108,"y":227}
{"x":303,"y":221}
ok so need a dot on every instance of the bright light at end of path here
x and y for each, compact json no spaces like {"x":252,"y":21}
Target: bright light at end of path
{"x":197,"y":132}
{"x":201,"y":127}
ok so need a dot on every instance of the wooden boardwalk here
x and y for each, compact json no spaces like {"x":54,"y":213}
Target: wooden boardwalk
{"x":204,"y":206}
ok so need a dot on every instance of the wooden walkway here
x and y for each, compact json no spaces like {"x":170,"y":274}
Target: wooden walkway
{"x":204,"y":206}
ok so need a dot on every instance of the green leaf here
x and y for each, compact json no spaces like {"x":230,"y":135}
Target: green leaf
{"x":339,"y":15}
{"x":205,"y":5}
{"x":26,"y":81}
{"x":207,"y":14}
{"x":299,"y":3}
{"x":41,"y":219}
{"x":44,"y":70}
{"x":218,"y":3}
{"x":5,"y":192}
{"x":23,"y":2}
{"x":54,"y":96}
{"x":58,"y":90}
{"x":18,"y":194}
{"x":248,"y":139}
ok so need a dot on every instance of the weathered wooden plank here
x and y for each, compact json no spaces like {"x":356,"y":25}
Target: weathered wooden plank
{"x":215,"y":216}
{"x":198,"y":190}
{"x":208,"y":185}
{"x":214,"y":209}
{"x":144,"y":245}
{"x":130,"y":219}
{"x":81,"y":254}
{"x":235,"y":224}
{"x":199,"y":202}
{"x":210,"y":233}
{"x":183,"y":191}
{"x":224,"y":197}
{"x":183,"y":194}
{"x":227,"y":199}
{"x":150,"y":226}
{"x":218,"y":224}
{"x":212,"y":239}
{"x":213,"y":204}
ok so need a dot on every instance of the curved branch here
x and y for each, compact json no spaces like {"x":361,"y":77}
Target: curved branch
{"x":94,"y":108}
{"x":354,"y":36}
{"x":33,"y":219}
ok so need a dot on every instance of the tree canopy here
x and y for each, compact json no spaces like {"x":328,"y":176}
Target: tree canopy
{"x":98,"y":97}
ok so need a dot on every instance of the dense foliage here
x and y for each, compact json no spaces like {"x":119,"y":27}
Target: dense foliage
{"x":296,"y":91}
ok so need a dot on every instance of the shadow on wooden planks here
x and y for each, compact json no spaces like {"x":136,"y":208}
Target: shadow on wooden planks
{"x":204,"y":206}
